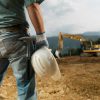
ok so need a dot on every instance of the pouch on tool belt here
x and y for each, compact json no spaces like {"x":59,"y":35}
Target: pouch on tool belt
{"x":9,"y":45}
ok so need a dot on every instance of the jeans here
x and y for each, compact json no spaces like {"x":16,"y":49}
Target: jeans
{"x":18,"y":54}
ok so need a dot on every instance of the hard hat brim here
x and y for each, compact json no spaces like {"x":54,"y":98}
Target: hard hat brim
{"x":50,"y":63}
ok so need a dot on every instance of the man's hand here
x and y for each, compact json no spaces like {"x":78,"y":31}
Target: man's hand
{"x":41,"y":41}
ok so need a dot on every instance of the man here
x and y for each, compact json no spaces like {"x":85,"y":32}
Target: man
{"x":15,"y":51}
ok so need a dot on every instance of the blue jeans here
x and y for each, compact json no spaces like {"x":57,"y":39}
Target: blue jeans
{"x":17,"y":55}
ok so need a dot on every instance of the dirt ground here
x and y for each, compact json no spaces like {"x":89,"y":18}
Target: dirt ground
{"x":80,"y":81}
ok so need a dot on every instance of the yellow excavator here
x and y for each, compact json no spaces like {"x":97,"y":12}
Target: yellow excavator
{"x":88,"y":46}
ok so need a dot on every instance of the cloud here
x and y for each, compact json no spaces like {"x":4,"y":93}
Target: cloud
{"x":71,"y":16}
{"x":55,"y":14}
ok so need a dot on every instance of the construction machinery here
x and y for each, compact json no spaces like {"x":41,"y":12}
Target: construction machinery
{"x":88,"y":46}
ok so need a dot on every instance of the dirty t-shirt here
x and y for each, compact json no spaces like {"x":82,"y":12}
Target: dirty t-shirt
{"x":12,"y":11}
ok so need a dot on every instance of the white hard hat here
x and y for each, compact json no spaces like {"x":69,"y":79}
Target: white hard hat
{"x":45,"y":64}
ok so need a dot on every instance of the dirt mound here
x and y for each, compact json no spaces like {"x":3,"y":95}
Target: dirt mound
{"x":80,"y":81}
{"x":86,"y":85}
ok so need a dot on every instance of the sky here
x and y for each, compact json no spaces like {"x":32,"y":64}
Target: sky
{"x":70,"y":16}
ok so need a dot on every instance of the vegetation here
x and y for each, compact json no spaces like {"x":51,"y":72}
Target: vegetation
{"x":98,"y":41}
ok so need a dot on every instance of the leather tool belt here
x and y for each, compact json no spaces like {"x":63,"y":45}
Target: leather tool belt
{"x":10,"y":29}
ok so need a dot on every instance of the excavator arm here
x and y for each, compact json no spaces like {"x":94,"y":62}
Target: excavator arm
{"x":70,"y":36}
{"x":88,"y":46}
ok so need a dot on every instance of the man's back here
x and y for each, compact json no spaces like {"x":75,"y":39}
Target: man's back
{"x":11,"y":12}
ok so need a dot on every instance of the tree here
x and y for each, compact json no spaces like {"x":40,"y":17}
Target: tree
{"x":98,"y":41}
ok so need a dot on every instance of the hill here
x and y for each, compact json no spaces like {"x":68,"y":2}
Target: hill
{"x":93,"y":33}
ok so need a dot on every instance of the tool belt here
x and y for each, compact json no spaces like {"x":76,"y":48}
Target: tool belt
{"x":9,"y":43}
{"x":14,"y":28}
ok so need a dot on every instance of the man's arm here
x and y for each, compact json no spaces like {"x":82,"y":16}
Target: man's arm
{"x":35,"y":15}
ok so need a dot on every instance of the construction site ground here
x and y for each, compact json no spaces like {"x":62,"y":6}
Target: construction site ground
{"x":80,"y":81}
